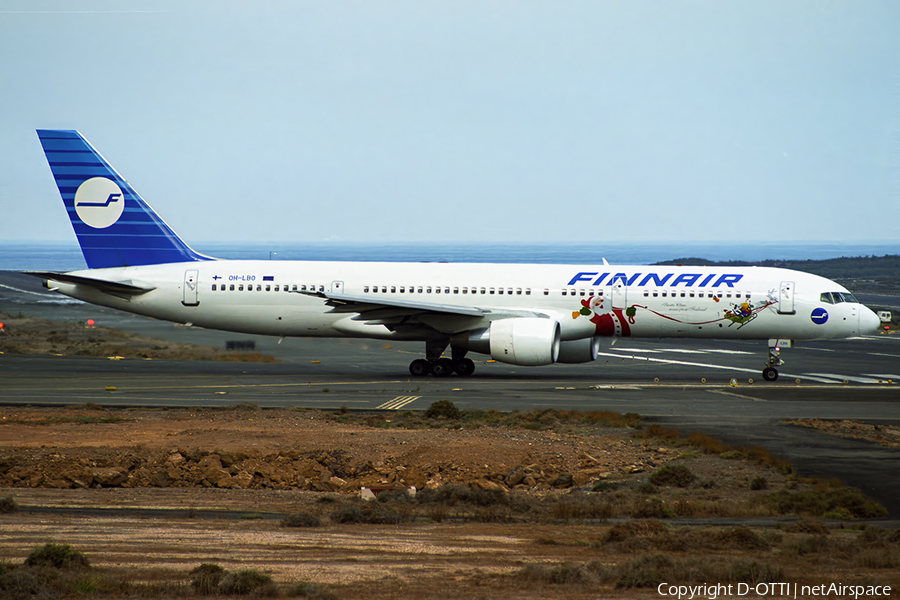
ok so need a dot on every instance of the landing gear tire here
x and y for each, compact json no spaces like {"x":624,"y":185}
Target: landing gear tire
{"x":419,"y":368}
{"x":442,"y":367}
{"x":465,"y":367}
{"x":770,"y":374}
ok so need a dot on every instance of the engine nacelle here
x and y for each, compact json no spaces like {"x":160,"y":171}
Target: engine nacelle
{"x":579,"y":351}
{"x":527,"y":341}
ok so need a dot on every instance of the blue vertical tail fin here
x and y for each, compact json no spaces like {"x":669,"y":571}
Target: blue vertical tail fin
{"x":114,"y":226}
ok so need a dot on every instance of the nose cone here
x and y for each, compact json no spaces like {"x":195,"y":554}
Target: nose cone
{"x":868,"y":320}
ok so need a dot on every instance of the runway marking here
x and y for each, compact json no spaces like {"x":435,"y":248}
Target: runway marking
{"x":820,"y":377}
{"x":723,"y":392}
{"x":852,"y":378}
{"x":884,"y":376}
{"x":398,"y":402}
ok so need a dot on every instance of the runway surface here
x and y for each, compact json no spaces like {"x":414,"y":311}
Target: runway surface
{"x":662,"y":380}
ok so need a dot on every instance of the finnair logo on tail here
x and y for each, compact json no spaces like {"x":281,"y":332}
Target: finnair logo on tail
{"x":99,"y":202}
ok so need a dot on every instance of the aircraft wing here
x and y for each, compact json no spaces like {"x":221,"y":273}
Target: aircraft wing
{"x":116,"y":288}
{"x":396,"y":313}
{"x":363,"y":304}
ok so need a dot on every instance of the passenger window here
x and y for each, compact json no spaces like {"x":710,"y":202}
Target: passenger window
{"x":428,"y":289}
{"x":277,"y":288}
{"x":465,"y":290}
{"x":492,"y":291}
{"x":483,"y":290}
{"x":446,"y":290}
{"x":518,"y":291}
{"x":563,"y":292}
{"x":437,"y":290}
{"x":393,"y":289}
{"x":294,"y":288}
{"x":241,"y":287}
{"x":268,"y":288}
{"x":456,"y":290}
{"x":655,"y":293}
{"x":214,"y":287}
{"x":231,"y":288}
{"x":646,"y":293}
{"x":500,"y":291}
{"x":402,"y":289}
{"x":546,"y":292}
{"x":664,"y":293}
{"x":420,"y":290}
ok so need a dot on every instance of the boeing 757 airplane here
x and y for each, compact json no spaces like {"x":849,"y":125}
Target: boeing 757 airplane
{"x":518,"y":314}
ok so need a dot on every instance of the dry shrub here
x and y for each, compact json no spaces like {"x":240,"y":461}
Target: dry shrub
{"x":245,"y":582}
{"x":668,"y":434}
{"x":807,"y":525}
{"x":842,"y":502}
{"x":591,"y":573}
{"x":674,"y":475}
{"x":623,"y":531}
{"x":877,"y":558}
{"x":753,"y":572}
{"x":58,"y":556}
{"x":742,"y":537}
{"x":708,"y":444}
{"x":300,"y":519}
{"x":8,"y":505}
{"x":582,"y":506}
{"x":205,"y":579}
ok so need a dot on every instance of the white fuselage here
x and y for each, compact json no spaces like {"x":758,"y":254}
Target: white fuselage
{"x":277,"y":298}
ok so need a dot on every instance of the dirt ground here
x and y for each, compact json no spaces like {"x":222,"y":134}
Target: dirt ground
{"x":67,"y":453}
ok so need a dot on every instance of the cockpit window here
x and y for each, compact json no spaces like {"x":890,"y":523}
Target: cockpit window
{"x":838,"y":297}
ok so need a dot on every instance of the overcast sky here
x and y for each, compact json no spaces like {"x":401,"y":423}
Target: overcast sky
{"x":485,"y":121}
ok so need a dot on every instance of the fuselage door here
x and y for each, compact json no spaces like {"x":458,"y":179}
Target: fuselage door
{"x":618,"y":293}
{"x":337,"y":287}
{"x":190,"y":297}
{"x":786,"y":298}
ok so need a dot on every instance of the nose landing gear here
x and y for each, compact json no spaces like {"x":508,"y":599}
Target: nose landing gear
{"x":770,"y":373}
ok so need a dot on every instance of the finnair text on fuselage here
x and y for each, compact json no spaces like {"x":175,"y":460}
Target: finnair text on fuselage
{"x":683,"y":280}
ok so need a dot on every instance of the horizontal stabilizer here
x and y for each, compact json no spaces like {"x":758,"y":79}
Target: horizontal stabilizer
{"x":116,"y":288}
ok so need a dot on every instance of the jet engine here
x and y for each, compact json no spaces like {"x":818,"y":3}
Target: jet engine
{"x":524,"y":341}
{"x":579,"y":351}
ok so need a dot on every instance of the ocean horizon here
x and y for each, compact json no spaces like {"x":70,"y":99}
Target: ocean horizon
{"x":66,"y":256}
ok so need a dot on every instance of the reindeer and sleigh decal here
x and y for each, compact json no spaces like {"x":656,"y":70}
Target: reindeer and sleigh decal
{"x":617,"y":322}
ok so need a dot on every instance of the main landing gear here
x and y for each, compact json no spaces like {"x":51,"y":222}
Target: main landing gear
{"x":439,"y":366}
{"x":442,"y":367}
{"x":770,"y":373}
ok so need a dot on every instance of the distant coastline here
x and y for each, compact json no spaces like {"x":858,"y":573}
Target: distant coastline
{"x":865,"y":274}
{"x":66,"y":256}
